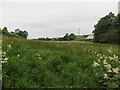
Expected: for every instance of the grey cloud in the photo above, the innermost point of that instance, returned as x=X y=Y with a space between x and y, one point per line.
x=50 y=19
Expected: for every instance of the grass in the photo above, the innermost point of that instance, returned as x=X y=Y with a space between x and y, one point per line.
x=80 y=38
x=53 y=64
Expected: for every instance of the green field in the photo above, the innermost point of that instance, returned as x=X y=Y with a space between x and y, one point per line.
x=59 y=64
x=80 y=38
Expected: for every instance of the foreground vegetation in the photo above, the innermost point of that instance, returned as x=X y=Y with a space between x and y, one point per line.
x=59 y=64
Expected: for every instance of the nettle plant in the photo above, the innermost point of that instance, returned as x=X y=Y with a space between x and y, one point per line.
x=110 y=70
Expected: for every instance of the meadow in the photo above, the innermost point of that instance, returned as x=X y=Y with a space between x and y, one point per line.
x=59 y=64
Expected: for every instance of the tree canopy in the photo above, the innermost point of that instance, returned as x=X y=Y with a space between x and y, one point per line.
x=18 y=33
x=106 y=30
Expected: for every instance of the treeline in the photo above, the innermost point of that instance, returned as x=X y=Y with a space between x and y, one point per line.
x=67 y=37
x=107 y=30
x=17 y=33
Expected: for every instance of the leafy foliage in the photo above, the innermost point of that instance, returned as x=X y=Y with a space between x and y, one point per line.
x=21 y=33
x=107 y=29
x=67 y=37
x=18 y=33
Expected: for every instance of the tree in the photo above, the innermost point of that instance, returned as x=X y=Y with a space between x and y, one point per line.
x=104 y=24
x=106 y=28
x=66 y=37
x=17 y=31
x=4 y=31
x=72 y=36
x=25 y=34
x=21 y=33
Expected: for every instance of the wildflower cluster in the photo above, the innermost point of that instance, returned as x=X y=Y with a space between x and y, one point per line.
x=9 y=46
x=4 y=59
x=109 y=65
x=90 y=50
x=38 y=55
x=110 y=50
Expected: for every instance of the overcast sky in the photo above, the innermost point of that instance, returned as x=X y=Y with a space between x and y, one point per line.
x=54 y=19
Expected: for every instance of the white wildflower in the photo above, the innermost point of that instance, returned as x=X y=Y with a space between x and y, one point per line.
x=98 y=60
x=101 y=57
x=18 y=55
x=40 y=58
x=108 y=66
x=9 y=46
x=36 y=54
x=105 y=62
x=105 y=76
x=111 y=58
x=115 y=57
x=109 y=70
x=109 y=50
x=6 y=59
x=4 y=52
x=115 y=70
x=98 y=54
x=3 y=61
x=95 y=64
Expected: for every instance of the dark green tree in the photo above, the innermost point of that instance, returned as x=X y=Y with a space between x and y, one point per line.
x=106 y=30
x=104 y=24
x=66 y=37
x=72 y=36
x=4 y=31
x=21 y=33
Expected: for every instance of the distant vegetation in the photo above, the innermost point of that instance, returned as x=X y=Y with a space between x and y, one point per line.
x=81 y=37
x=66 y=37
x=18 y=33
x=107 y=30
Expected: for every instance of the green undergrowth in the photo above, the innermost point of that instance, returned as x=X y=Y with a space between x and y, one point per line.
x=39 y=64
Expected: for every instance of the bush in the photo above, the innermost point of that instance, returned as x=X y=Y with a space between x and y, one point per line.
x=107 y=29
x=110 y=36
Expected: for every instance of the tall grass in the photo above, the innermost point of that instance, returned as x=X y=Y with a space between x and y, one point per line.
x=49 y=64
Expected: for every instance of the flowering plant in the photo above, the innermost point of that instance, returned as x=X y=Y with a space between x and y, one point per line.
x=109 y=65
